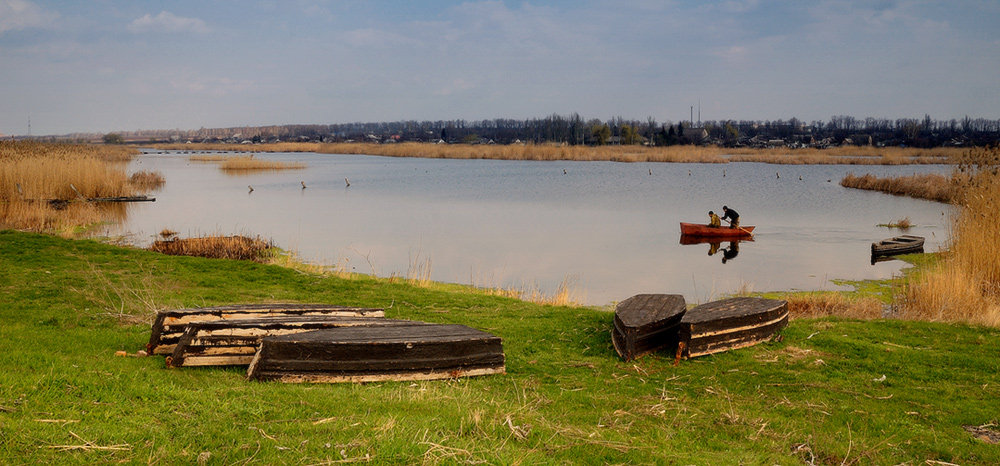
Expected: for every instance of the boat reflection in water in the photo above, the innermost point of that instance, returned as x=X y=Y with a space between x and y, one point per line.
x=715 y=245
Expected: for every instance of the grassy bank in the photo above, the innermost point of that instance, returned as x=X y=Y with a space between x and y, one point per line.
x=833 y=391
x=688 y=154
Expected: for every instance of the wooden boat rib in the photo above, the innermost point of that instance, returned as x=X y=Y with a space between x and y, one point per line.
x=235 y=341
x=699 y=229
x=904 y=244
x=646 y=323
x=372 y=354
x=169 y=325
x=730 y=324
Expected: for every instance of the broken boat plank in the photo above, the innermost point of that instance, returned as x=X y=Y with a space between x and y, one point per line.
x=171 y=324
x=369 y=354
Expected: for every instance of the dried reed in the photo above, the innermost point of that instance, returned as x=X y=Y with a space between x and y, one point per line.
x=216 y=247
x=931 y=186
x=39 y=180
x=965 y=286
x=238 y=163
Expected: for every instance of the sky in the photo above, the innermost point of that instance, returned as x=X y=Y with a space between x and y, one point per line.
x=120 y=65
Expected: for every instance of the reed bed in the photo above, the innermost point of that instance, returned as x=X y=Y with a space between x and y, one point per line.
x=235 y=247
x=965 y=286
x=239 y=163
x=931 y=186
x=40 y=184
x=245 y=164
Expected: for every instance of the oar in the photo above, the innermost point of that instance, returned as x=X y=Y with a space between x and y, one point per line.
x=744 y=229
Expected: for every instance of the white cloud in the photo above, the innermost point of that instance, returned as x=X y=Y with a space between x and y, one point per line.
x=167 y=22
x=21 y=14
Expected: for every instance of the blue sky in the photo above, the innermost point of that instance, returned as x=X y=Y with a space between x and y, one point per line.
x=110 y=65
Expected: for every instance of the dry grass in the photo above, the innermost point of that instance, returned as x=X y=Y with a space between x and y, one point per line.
x=965 y=286
x=216 y=247
x=818 y=305
x=567 y=293
x=687 y=154
x=931 y=186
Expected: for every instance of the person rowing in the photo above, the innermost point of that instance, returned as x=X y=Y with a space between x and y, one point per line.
x=731 y=216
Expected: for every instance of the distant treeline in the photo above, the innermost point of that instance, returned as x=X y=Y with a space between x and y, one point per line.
x=575 y=130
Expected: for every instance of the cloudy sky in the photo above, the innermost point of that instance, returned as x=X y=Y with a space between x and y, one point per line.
x=113 y=65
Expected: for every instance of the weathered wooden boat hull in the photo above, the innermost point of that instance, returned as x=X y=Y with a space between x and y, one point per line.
x=730 y=324
x=905 y=244
x=170 y=325
x=698 y=229
x=373 y=354
x=234 y=342
x=646 y=323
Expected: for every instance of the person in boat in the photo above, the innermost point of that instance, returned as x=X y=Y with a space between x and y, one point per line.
x=713 y=220
x=731 y=216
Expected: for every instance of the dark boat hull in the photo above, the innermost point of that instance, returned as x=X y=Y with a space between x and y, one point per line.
x=646 y=323
x=234 y=342
x=170 y=325
x=905 y=244
x=730 y=324
x=697 y=229
x=373 y=354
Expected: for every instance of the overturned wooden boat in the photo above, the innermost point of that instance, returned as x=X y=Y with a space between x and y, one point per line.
x=646 y=323
x=234 y=342
x=375 y=354
x=729 y=324
x=904 y=244
x=170 y=324
x=700 y=229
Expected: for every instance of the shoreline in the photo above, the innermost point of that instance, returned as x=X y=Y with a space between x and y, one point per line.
x=844 y=155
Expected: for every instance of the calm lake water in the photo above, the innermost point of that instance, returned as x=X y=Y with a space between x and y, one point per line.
x=610 y=229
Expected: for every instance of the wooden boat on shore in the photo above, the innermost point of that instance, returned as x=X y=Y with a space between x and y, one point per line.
x=171 y=324
x=234 y=342
x=646 y=323
x=904 y=244
x=729 y=324
x=700 y=229
x=374 y=354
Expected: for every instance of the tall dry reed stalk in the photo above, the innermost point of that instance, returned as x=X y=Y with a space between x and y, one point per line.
x=965 y=286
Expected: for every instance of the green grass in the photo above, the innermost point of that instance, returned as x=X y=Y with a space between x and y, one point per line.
x=816 y=397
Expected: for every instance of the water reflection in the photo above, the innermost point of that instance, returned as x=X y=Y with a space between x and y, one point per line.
x=613 y=225
x=715 y=245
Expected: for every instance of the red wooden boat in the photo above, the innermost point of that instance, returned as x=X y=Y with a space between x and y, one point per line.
x=700 y=229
